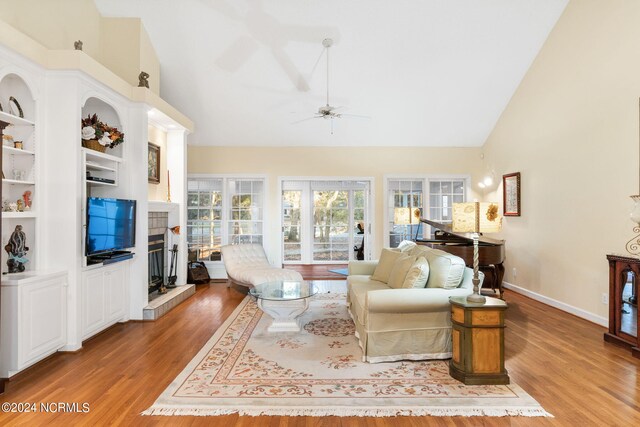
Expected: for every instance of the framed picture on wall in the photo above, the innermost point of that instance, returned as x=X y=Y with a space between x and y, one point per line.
x=511 y=194
x=154 y=164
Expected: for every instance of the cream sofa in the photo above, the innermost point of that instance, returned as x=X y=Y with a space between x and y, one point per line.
x=405 y=324
x=247 y=265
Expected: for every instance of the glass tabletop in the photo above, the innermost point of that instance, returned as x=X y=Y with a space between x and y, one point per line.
x=284 y=290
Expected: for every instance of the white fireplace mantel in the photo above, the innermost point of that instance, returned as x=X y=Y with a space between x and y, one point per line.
x=157 y=206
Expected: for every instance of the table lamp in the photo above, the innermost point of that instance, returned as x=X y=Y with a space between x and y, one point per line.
x=476 y=218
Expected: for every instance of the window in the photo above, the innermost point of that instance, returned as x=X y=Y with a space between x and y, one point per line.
x=410 y=193
x=442 y=194
x=223 y=211
x=324 y=221
x=291 y=215
x=246 y=208
x=403 y=194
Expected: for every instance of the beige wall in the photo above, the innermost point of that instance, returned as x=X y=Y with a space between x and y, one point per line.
x=120 y=44
x=121 y=39
x=158 y=192
x=149 y=60
x=373 y=162
x=56 y=23
x=571 y=129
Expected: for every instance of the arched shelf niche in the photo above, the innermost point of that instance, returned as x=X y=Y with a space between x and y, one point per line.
x=18 y=162
x=106 y=114
x=12 y=85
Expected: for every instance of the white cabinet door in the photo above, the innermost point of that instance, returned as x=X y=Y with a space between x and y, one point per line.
x=105 y=298
x=44 y=326
x=94 y=310
x=114 y=279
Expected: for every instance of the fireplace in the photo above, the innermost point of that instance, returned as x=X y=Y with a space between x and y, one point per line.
x=156 y=262
x=157 y=251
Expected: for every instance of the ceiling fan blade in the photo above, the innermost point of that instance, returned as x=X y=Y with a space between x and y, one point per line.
x=290 y=69
x=304 y=120
x=237 y=54
x=355 y=116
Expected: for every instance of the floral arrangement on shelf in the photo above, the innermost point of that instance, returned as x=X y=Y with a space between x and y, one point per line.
x=94 y=129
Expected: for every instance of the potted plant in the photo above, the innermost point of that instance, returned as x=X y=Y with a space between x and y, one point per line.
x=97 y=135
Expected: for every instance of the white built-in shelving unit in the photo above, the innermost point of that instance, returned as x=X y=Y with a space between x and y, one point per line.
x=26 y=335
x=60 y=301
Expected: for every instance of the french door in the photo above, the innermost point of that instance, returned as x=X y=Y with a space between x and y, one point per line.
x=324 y=221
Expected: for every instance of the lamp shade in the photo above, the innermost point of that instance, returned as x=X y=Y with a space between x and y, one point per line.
x=406 y=216
x=476 y=217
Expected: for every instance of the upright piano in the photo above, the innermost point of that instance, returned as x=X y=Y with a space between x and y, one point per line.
x=490 y=251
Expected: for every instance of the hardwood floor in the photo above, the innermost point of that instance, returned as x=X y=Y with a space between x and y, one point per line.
x=561 y=360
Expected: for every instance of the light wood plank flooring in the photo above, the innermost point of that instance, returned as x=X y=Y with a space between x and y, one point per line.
x=561 y=360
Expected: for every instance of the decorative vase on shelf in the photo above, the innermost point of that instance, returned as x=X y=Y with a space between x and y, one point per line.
x=93 y=144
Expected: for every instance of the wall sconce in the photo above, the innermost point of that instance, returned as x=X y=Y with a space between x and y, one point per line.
x=487 y=181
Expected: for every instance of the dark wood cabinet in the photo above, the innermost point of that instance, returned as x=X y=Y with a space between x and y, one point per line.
x=624 y=272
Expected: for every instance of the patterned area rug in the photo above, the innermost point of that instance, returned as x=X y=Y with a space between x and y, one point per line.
x=319 y=372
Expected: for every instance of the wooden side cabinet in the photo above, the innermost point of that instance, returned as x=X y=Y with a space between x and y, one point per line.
x=624 y=317
x=478 y=341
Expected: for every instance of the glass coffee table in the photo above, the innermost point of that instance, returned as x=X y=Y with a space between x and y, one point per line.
x=284 y=301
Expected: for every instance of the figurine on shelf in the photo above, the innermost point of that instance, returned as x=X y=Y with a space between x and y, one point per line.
x=20 y=205
x=13 y=207
x=17 y=250
x=5 y=205
x=77 y=45
x=26 y=196
x=143 y=79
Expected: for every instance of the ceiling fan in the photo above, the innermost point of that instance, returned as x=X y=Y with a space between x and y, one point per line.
x=328 y=111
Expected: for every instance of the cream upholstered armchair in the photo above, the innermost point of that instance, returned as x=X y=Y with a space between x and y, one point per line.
x=399 y=313
x=247 y=265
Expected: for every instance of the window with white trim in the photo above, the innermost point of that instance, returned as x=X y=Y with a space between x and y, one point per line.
x=403 y=193
x=433 y=197
x=221 y=211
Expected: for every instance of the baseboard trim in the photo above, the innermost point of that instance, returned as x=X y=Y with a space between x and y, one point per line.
x=583 y=314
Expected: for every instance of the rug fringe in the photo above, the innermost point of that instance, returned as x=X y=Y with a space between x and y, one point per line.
x=354 y=412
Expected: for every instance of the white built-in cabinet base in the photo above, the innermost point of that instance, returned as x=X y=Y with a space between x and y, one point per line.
x=34 y=318
x=105 y=297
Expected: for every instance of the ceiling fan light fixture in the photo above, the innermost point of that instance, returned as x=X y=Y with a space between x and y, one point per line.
x=328 y=111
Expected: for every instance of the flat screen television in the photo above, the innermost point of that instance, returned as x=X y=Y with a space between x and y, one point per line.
x=111 y=225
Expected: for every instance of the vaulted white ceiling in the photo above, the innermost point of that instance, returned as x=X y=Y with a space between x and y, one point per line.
x=428 y=73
